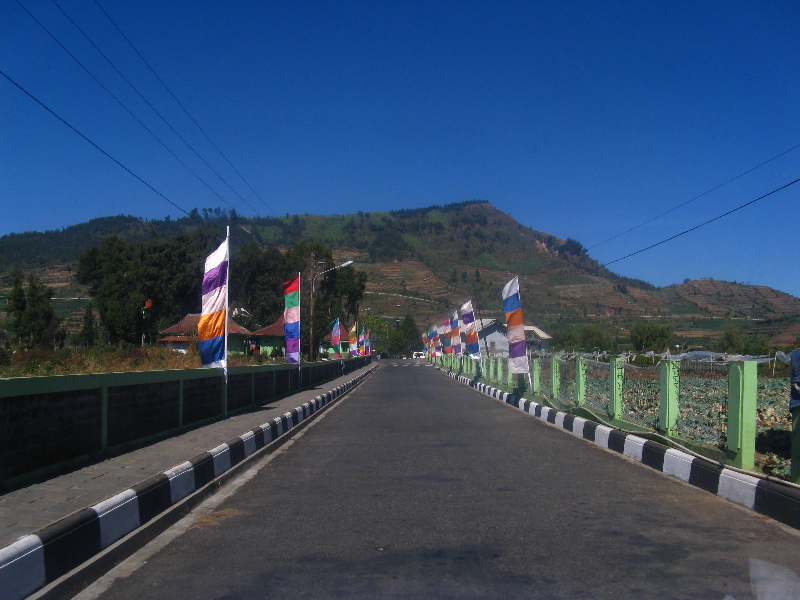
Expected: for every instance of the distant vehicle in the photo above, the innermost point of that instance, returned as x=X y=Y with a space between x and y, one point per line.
x=419 y=355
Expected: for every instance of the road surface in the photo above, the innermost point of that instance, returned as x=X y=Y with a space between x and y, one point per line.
x=416 y=486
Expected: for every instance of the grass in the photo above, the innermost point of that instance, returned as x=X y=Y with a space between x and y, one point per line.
x=108 y=359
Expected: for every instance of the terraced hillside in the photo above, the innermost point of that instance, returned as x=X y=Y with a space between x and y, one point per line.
x=429 y=260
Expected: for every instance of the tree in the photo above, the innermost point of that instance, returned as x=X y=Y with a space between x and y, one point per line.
x=87 y=336
x=594 y=337
x=731 y=341
x=122 y=276
x=378 y=329
x=31 y=321
x=405 y=336
x=257 y=279
x=650 y=336
x=16 y=307
x=565 y=339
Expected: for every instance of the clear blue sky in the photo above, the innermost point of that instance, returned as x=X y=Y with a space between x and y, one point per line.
x=580 y=119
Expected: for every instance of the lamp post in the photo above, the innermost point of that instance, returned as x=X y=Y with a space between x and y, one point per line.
x=311 y=310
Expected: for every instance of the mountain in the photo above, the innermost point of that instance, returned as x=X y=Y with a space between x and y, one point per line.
x=428 y=261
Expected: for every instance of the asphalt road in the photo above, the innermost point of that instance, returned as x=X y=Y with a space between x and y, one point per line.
x=416 y=486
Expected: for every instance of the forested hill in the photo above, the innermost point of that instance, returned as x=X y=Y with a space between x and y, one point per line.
x=64 y=246
x=428 y=260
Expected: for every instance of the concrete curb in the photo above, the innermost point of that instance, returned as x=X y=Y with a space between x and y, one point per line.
x=36 y=560
x=769 y=498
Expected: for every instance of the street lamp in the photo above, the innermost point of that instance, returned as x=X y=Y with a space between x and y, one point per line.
x=311 y=311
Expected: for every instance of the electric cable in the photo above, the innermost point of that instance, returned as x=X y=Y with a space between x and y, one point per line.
x=48 y=109
x=188 y=145
x=783 y=187
x=110 y=93
x=695 y=198
x=247 y=183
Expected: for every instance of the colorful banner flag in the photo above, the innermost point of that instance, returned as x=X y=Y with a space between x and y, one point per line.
x=361 y=342
x=445 y=337
x=471 y=334
x=517 y=354
x=291 y=319
x=437 y=342
x=336 y=338
x=353 y=342
x=455 y=334
x=211 y=328
x=367 y=346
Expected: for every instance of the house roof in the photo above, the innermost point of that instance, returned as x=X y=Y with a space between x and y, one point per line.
x=188 y=327
x=174 y=338
x=481 y=324
x=532 y=331
x=276 y=329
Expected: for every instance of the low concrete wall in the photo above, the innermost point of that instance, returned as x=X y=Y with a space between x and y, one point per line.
x=49 y=423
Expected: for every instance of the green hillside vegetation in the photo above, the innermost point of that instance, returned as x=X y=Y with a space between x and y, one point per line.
x=427 y=261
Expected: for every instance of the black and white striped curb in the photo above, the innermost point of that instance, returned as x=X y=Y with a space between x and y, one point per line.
x=780 y=502
x=36 y=560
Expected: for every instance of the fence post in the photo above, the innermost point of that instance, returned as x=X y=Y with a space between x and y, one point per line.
x=536 y=371
x=580 y=381
x=103 y=414
x=668 y=396
x=616 y=378
x=742 y=414
x=555 y=377
x=180 y=402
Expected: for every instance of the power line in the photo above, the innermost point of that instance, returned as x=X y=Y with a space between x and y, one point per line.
x=48 y=109
x=188 y=145
x=696 y=197
x=783 y=187
x=183 y=107
x=110 y=93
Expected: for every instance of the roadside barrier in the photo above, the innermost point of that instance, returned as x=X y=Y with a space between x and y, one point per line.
x=777 y=500
x=36 y=560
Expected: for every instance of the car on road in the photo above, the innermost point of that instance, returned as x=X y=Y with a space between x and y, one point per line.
x=418 y=355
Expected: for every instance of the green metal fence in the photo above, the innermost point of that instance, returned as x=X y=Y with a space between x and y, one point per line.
x=716 y=407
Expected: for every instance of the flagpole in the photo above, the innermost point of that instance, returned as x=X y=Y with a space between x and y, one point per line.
x=227 y=308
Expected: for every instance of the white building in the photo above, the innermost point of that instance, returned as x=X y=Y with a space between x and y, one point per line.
x=495 y=335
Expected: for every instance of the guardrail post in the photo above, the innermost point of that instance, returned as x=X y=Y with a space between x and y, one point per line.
x=180 y=402
x=580 y=381
x=742 y=413
x=555 y=378
x=103 y=414
x=536 y=372
x=668 y=396
x=616 y=377
x=223 y=400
